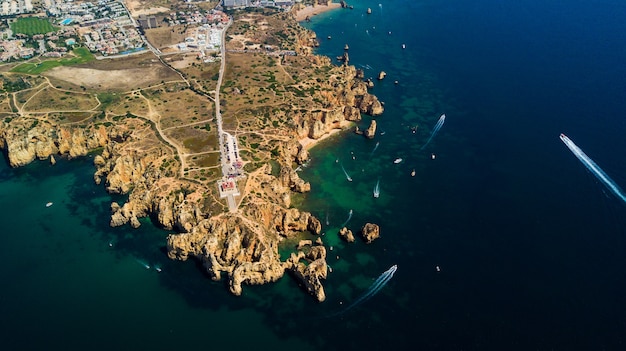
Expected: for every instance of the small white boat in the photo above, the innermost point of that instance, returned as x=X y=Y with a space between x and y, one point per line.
x=432 y=156
x=377 y=189
x=346 y=173
x=403 y=46
x=397 y=160
x=437 y=268
x=49 y=204
x=413 y=173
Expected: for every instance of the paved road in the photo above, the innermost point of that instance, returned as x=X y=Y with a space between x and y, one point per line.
x=232 y=188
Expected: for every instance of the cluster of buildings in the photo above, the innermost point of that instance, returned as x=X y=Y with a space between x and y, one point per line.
x=196 y=17
x=203 y=38
x=53 y=44
x=14 y=49
x=85 y=12
x=105 y=25
x=15 y=7
x=236 y=4
x=109 y=38
x=204 y=30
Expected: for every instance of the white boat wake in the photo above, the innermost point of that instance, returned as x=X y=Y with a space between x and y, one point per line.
x=593 y=167
x=438 y=126
x=143 y=263
x=375 y=148
x=380 y=283
x=377 y=189
x=346 y=173
x=347 y=220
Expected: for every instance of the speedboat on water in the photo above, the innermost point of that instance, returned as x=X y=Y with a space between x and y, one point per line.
x=413 y=173
x=377 y=189
x=397 y=160
x=432 y=156
x=49 y=204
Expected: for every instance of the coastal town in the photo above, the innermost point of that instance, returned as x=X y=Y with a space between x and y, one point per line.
x=106 y=27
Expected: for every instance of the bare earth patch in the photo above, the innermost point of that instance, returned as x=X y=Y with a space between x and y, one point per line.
x=137 y=7
x=121 y=80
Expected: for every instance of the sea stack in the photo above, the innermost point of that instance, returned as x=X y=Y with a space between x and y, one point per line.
x=369 y=10
x=346 y=234
x=371 y=131
x=370 y=232
x=381 y=75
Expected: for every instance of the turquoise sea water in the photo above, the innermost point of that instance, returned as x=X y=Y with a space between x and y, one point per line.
x=531 y=247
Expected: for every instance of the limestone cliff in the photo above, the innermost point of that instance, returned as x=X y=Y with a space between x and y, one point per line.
x=26 y=140
x=246 y=250
x=311 y=273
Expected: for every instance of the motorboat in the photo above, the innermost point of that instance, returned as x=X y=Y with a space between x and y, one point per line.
x=377 y=189
x=397 y=160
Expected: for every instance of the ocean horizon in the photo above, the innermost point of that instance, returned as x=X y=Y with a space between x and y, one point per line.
x=502 y=240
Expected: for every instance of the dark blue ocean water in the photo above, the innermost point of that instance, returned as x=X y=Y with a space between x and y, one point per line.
x=532 y=248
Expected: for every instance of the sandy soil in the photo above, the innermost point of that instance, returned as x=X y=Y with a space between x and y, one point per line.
x=125 y=79
x=312 y=11
x=134 y=6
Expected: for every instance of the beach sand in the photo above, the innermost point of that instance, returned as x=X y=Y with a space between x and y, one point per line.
x=312 y=11
x=309 y=143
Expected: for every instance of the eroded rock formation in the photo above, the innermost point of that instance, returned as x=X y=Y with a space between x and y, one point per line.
x=346 y=234
x=370 y=232
x=371 y=131
x=26 y=141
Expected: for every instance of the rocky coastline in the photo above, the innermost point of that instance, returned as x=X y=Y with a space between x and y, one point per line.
x=243 y=245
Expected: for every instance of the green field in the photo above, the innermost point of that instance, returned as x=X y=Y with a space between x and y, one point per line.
x=82 y=56
x=32 y=25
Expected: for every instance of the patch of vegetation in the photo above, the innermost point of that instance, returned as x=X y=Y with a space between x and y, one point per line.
x=82 y=56
x=32 y=25
x=12 y=86
x=107 y=99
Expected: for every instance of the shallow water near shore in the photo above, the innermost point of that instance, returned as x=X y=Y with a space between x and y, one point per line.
x=72 y=282
x=531 y=248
